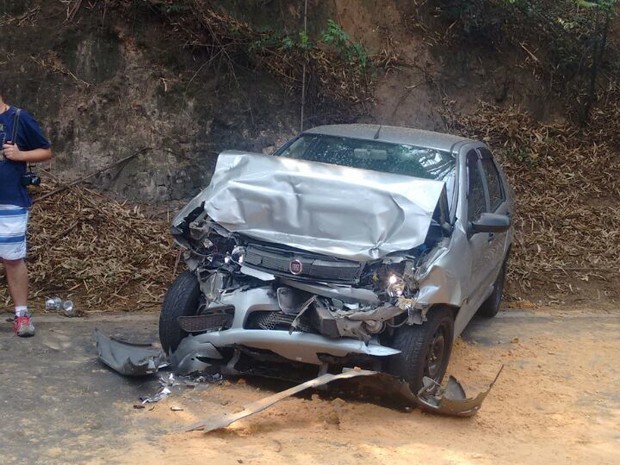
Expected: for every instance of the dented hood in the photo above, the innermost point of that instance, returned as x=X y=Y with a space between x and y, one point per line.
x=339 y=211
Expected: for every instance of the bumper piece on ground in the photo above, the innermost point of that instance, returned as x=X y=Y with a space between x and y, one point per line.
x=127 y=358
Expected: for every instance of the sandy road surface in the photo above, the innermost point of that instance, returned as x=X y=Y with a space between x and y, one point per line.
x=557 y=401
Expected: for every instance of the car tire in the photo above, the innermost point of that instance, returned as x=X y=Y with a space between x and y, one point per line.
x=182 y=299
x=490 y=307
x=425 y=349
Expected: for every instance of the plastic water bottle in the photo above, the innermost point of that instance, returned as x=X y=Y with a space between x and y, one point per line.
x=68 y=309
x=53 y=304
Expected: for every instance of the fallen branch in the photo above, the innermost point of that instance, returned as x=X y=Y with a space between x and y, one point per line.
x=88 y=176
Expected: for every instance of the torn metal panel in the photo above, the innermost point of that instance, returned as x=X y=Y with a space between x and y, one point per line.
x=441 y=275
x=188 y=357
x=127 y=358
x=311 y=206
x=451 y=400
x=219 y=422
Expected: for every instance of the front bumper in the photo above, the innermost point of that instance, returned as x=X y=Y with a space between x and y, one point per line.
x=297 y=346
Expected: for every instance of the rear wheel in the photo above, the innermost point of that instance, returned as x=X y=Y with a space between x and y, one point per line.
x=490 y=307
x=425 y=349
x=182 y=299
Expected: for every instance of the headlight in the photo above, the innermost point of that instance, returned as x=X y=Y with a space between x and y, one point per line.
x=395 y=286
x=236 y=256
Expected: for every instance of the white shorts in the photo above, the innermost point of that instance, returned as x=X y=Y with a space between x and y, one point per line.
x=13 y=223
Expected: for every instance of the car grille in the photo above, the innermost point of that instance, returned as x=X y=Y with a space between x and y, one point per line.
x=217 y=319
x=313 y=267
x=277 y=321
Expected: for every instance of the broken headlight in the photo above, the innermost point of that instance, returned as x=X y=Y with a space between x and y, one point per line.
x=236 y=256
x=395 y=286
x=399 y=281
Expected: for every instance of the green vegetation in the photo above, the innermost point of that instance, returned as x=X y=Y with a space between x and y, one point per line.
x=333 y=36
x=337 y=68
x=352 y=52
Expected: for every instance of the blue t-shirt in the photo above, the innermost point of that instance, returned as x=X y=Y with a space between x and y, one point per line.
x=29 y=137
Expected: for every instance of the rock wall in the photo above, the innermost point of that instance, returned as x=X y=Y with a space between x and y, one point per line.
x=105 y=86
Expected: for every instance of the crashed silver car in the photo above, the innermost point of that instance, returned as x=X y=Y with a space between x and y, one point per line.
x=352 y=246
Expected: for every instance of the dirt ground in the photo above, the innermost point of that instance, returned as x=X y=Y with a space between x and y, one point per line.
x=557 y=401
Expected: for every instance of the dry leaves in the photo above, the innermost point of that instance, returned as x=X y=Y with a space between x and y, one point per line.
x=103 y=254
x=566 y=181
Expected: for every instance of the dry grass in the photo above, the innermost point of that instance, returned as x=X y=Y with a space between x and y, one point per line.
x=103 y=254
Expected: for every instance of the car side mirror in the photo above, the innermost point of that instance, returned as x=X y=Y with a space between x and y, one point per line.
x=490 y=223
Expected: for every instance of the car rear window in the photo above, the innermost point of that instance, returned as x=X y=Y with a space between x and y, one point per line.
x=409 y=160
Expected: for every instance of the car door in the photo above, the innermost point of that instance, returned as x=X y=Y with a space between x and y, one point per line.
x=477 y=204
x=497 y=242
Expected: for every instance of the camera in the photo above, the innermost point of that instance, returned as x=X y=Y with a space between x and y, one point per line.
x=31 y=179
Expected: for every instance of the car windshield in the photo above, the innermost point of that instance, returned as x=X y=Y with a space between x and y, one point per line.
x=373 y=155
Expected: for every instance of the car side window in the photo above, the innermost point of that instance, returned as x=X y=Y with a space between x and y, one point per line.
x=476 y=200
x=494 y=181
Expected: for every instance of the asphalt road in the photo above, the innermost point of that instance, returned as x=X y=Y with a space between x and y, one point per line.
x=60 y=405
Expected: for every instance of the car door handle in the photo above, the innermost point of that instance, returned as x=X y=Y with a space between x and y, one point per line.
x=491 y=237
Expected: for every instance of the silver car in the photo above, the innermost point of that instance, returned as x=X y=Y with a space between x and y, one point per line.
x=354 y=245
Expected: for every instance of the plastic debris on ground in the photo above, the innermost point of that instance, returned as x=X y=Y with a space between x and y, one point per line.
x=168 y=383
x=451 y=400
x=129 y=359
x=160 y=395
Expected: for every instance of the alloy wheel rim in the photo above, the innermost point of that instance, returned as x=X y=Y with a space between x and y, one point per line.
x=436 y=354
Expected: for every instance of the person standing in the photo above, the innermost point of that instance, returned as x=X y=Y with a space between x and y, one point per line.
x=22 y=142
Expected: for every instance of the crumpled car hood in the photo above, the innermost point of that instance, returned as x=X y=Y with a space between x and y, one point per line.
x=344 y=212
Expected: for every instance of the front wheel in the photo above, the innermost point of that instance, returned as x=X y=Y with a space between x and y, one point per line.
x=425 y=349
x=182 y=299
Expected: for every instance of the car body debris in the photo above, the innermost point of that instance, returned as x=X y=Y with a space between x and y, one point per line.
x=128 y=358
x=222 y=421
x=168 y=383
x=159 y=395
x=450 y=401
x=131 y=359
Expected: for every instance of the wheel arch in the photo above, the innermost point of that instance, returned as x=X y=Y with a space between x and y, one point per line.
x=454 y=309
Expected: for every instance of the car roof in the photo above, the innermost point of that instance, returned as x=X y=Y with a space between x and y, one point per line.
x=393 y=134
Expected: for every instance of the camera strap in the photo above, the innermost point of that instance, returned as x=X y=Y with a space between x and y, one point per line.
x=15 y=128
x=16 y=124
